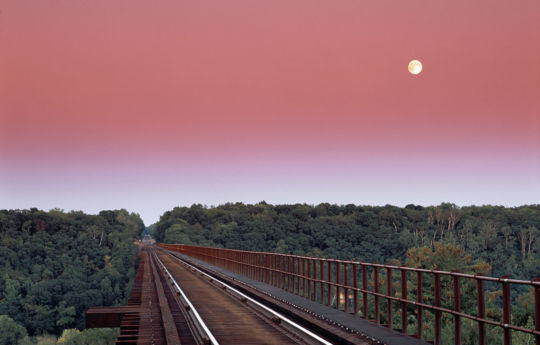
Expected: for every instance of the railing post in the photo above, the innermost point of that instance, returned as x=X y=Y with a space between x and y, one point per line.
x=346 y=283
x=289 y=281
x=263 y=267
x=309 y=278
x=267 y=268
x=314 y=279
x=321 y=275
x=328 y=284
x=355 y=298
x=481 y=310
x=270 y=269
x=222 y=258
x=537 y=309
x=403 y=304
x=242 y=262
x=304 y=277
x=252 y=265
x=437 y=284
x=298 y=274
x=291 y=274
x=457 y=307
x=338 y=297
x=277 y=270
x=365 y=295
x=376 y=289
x=292 y=278
x=506 y=311
x=259 y=266
x=251 y=271
x=389 y=294
x=282 y=269
x=274 y=266
x=419 y=300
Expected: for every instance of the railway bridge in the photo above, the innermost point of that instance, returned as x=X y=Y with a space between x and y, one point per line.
x=201 y=295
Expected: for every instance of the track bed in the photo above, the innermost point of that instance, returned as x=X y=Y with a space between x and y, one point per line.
x=229 y=320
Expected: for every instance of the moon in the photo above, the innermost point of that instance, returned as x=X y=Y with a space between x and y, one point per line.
x=415 y=67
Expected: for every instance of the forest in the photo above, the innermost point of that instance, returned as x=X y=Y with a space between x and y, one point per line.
x=508 y=239
x=488 y=240
x=55 y=265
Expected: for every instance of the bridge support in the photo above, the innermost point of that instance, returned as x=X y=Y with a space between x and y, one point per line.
x=139 y=321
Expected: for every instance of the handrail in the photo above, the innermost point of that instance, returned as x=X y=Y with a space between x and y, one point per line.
x=340 y=283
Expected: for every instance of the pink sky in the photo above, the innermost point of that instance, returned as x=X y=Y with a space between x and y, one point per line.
x=143 y=105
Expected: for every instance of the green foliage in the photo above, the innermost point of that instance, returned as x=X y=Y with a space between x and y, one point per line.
x=178 y=233
x=505 y=238
x=445 y=257
x=72 y=336
x=11 y=333
x=97 y=336
x=55 y=265
x=46 y=340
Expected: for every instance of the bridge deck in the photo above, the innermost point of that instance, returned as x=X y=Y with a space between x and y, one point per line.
x=377 y=332
x=231 y=322
x=169 y=295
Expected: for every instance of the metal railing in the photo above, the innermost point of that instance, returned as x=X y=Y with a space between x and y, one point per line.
x=350 y=285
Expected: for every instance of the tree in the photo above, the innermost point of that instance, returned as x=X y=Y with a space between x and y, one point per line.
x=95 y=336
x=533 y=233
x=66 y=315
x=11 y=303
x=445 y=257
x=178 y=233
x=52 y=266
x=282 y=247
x=507 y=231
x=11 y=333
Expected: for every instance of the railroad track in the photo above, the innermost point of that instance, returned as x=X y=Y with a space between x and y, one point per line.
x=207 y=310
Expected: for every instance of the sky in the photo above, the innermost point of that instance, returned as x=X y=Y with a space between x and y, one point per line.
x=145 y=105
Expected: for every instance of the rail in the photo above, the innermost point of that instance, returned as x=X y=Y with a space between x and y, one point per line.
x=350 y=285
x=200 y=327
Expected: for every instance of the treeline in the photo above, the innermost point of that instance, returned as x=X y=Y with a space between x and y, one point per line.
x=55 y=265
x=508 y=239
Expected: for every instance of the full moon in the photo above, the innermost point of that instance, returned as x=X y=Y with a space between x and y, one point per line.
x=415 y=67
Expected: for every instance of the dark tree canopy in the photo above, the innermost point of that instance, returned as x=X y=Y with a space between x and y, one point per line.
x=54 y=265
x=508 y=239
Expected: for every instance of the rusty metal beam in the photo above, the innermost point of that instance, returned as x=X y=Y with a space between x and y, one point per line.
x=108 y=317
x=169 y=326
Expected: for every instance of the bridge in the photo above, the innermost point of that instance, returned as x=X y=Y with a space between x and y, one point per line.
x=200 y=295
